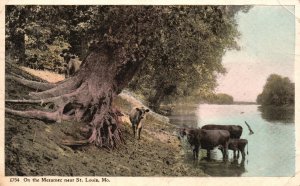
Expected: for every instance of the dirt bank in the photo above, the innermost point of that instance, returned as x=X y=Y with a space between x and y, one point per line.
x=33 y=148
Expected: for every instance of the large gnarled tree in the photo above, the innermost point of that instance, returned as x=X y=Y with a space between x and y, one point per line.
x=121 y=38
x=105 y=71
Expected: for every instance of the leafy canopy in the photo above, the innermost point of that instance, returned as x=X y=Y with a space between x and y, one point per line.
x=181 y=47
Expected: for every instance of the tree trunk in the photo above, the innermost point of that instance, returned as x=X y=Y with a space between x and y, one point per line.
x=155 y=101
x=19 y=47
x=88 y=96
x=84 y=47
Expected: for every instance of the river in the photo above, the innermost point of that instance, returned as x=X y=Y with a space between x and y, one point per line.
x=271 y=148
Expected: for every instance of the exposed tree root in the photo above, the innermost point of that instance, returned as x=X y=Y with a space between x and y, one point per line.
x=41 y=115
x=81 y=106
x=59 y=100
x=32 y=84
x=23 y=101
x=86 y=97
x=63 y=88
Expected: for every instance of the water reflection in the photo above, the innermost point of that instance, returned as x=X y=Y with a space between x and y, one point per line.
x=213 y=166
x=230 y=168
x=271 y=147
x=184 y=116
x=273 y=114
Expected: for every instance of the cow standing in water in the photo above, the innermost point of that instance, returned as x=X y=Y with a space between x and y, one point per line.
x=237 y=145
x=136 y=115
x=206 y=139
x=234 y=130
x=71 y=64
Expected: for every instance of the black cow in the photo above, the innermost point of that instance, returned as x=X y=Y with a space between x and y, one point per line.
x=207 y=139
x=234 y=130
x=135 y=116
x=71 y=64
x=237 y=145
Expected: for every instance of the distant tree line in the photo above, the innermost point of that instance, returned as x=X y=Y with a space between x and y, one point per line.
x=278 y=91
x=219 y=98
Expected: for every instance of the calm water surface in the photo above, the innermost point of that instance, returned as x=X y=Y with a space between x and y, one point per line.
x=271 y=147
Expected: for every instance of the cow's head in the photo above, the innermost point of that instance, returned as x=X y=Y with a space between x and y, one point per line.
x=192 y=134
x=142 y=111
x=67 y=56
x=187 y=135
x=185 y=132
x=182 y=133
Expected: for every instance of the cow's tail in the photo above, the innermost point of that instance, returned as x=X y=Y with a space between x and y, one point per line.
x=247 y=148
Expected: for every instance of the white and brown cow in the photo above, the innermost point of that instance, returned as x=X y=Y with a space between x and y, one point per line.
x=135 y=116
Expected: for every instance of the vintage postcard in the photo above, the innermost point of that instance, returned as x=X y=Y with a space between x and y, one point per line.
x=142 y=93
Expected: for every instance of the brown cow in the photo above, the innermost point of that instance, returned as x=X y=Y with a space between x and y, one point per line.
x=234 y=130
x=237 y=145
x=71 y=65
x=206 y=139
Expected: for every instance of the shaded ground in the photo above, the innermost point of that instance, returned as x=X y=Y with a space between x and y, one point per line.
x=33 y=148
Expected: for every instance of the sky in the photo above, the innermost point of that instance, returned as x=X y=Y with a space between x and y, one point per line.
x=267 y=46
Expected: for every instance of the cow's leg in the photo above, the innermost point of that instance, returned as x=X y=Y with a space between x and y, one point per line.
x=208 y=154
x=139 y=132
x=226 y=153
x=72 y=70
x=133 y=130
x=225 y=156
x=66 y=71
x=234 y=153
x=223 y=152
x=69 y=69
x=243 y=153
x=196 y=152
x=221 y=149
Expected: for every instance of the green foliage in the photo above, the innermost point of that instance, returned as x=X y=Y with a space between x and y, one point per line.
x=189 y=56
x=180 y=47
x=41 y=35
x=278 y=91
